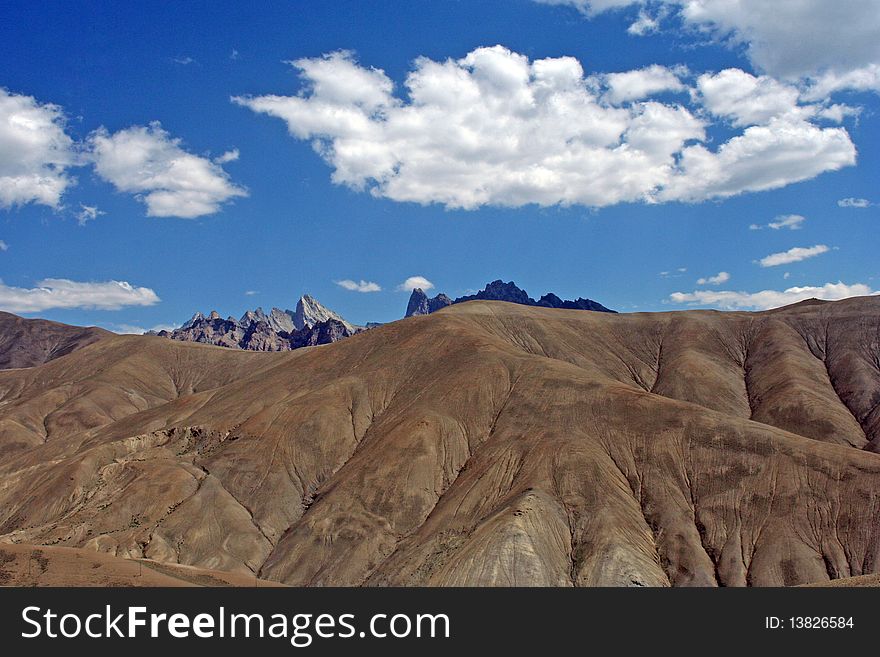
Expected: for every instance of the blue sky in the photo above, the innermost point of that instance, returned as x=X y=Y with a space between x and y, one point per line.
x=199 y=201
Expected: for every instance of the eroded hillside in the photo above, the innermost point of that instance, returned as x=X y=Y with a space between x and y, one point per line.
x=486 y=444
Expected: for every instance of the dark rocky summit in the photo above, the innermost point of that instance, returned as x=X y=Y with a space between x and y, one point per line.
x=281 y=330
x=421 y=304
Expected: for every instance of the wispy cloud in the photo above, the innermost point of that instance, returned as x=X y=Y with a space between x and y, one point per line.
x=717 y=279
x=3 y=246
x=854 y=203
x=767 y=299
x=789 y=221
x=359 y=286
x=88 y=213
x=63 y=293
x=184 y=60
x=251 y=293
x=795 y=254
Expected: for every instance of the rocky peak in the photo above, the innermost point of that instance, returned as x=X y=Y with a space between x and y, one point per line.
x=214 y=315
x=309 y=311
x=195 y=319
x=421 y=304
x=500 y=291
x=281 y=320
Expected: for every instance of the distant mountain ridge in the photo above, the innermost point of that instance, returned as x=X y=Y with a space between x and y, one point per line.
x=310 y=324
x=421 y=304
x=30 y=342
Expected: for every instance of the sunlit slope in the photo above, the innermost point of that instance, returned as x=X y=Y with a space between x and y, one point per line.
x=486 y=444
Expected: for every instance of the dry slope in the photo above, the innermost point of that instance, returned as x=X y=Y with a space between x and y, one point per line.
x=486 y=444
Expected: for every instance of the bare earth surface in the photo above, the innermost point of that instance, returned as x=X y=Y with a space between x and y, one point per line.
x=29 y=342
x=37 y=565
x=485 y=444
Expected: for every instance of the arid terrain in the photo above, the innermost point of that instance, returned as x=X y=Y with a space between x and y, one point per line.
x=487 y=444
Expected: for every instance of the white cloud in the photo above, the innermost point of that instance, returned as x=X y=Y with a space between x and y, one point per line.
x=767 y=299
x=854 y=203
x=493 y=128
x=251 y=293
x=35 y=152
x=786 y=275
x=228 y=156
x=88 y=213
x=183 y=61
x=761 y=158
x=3 y=246
x=795 y=254
x=148 y=162
x=63 y=293
x=834 y=42
x=717 y=279
x=644 y=24
x=789 y=221
x=359 y=286
x=641 y=83
x=747 y=100
x=414 y=282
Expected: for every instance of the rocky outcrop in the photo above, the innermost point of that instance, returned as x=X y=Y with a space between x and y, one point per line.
x=281 y=330
x=421 y=304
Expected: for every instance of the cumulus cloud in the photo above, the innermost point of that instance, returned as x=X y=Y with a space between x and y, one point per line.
x=359 y=286
x=148 y=162
x=767 y=299
x=746 y=99
x=795 y=254
x=641 y=83
x=414 y=282
x=836 y=44
x=854 y=203
x=35 y=152
x=494 y=128
x=63 y=293
x=717 y=279
x=788 y=221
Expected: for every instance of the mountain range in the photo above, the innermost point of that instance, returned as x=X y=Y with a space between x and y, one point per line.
x=421 y=304
x=488 y=444
x=313 y=323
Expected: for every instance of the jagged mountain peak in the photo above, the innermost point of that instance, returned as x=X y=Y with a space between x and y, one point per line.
x=309 y=311
x=498 y=290
x=421 y=304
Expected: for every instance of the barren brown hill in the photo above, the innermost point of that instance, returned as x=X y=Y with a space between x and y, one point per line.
x=29 y=342
x=486 y=444
x=39 y=565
